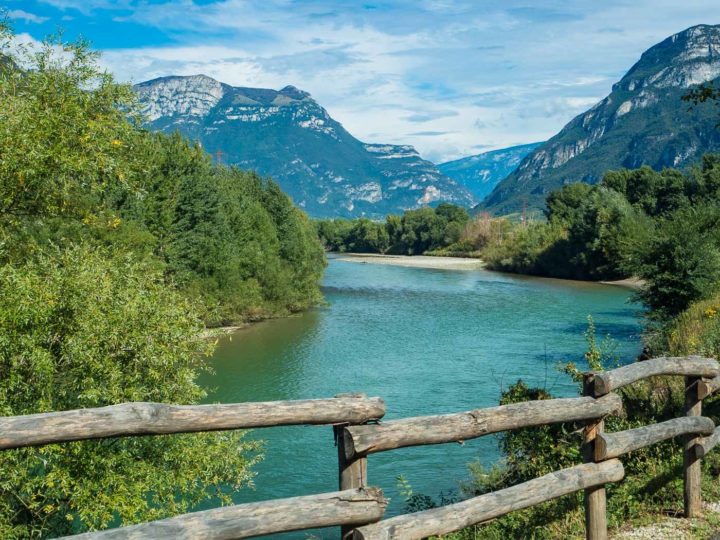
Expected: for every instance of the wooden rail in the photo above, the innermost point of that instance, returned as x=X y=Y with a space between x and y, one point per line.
x=161 y=419
x=696 y=366
x=361 y=440
x=456 y=516
x=350 y=507
x=358 y=508
x=612 y=445
x=706 y=444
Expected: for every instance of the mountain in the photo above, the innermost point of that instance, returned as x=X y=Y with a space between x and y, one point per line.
x=289 y=136
x=642 y=122
x=482 y=172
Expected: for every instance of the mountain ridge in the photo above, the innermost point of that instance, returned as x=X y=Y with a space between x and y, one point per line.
x=287 y=135
x=643 y=121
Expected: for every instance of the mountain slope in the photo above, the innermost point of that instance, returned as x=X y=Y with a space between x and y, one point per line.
x=482 y=172
x=287 y=135
x=642 y=122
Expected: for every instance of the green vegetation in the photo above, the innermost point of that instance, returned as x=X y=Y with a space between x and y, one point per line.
x=659 y=226
x=414 y=233
x=77 y=166
x=117 y=248
x=653 y=476
x=83 y=328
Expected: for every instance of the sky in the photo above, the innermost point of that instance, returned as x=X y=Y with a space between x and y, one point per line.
x=452 y=78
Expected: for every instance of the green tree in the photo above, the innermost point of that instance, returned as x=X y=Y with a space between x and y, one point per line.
x=65 y=138
x=681 y=263
x=84 y=329
x=563 y=205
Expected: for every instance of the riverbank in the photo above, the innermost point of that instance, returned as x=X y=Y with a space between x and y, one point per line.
x=413 y=261
x=629 y=283
x=451 y=263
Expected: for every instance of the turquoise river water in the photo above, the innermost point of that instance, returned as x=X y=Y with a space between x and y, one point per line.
x=427 y=342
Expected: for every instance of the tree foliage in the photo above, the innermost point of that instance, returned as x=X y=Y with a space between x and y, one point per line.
x=413 y=233
x=76 y=165
x=117 y=248
x=83 y=328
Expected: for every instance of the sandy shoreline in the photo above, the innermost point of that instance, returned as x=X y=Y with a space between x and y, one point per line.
x=629 y=283
x=413 y=261
x=451 y=263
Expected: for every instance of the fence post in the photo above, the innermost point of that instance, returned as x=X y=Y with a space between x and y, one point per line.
x=692 y=463
x=352 y=474
x=595 y=497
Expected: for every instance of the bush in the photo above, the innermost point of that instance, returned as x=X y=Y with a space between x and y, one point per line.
x=681 y=262
x=82 y=329
x=696 y=330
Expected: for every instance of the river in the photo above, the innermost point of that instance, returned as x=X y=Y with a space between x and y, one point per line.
x=427 y=342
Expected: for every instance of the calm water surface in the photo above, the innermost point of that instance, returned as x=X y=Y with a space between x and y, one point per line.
x=427 y=342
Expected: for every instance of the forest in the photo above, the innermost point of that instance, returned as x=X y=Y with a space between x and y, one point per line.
x=118 y=248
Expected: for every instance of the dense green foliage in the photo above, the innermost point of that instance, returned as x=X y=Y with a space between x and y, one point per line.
x=413 y=233
x=117 y=248
x=225 y=235
x=75 y=167
x=659 y=226
x=82 y=328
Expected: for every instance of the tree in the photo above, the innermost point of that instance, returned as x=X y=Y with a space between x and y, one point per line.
x=563 y=204
x=65 y=138
x=681 y=263
x=83 y=328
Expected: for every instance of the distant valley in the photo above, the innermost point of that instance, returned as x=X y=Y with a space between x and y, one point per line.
x=482 y=172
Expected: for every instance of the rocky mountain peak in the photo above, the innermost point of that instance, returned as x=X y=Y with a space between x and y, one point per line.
x=294 y=92
x=289 y=136
x=684 y=59
x=193 y=95
x=643 y=121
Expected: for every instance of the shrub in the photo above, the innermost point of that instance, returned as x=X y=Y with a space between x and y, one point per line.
x=81 y=329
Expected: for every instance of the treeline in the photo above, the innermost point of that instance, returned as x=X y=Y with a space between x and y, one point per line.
x=414 y=233
x=117 y=248
x=659 y=226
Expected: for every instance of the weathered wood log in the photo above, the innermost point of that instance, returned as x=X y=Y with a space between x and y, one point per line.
x=456 y=516
x=158 y=418
x=708 y=387
x=705 y=444
x=595 y=497
x=692 y=473
x=362 y=440
x=352 y=473
x=697 y=366
x=611 y=445
x=254 y=519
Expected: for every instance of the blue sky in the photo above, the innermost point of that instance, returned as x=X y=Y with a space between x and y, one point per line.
x=452 y=78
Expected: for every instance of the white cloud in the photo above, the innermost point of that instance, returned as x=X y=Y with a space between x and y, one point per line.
x=474 y=73
x=25 y=16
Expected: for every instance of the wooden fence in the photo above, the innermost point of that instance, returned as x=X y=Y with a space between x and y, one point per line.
x=359 y=508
